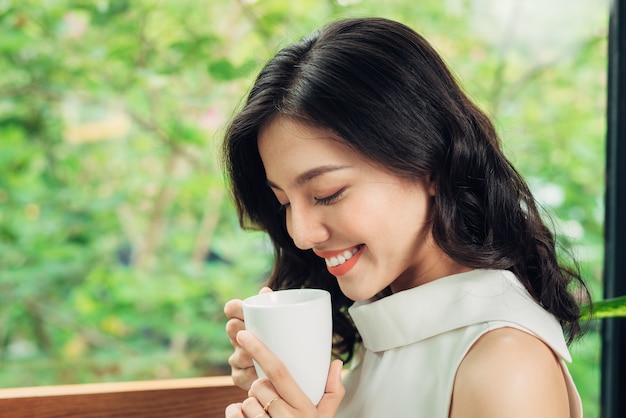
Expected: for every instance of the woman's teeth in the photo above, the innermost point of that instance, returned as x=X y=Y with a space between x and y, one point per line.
x=341 y=258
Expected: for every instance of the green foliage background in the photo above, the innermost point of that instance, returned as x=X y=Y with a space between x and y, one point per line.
x=118 y=242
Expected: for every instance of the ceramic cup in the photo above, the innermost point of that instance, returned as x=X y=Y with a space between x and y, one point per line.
x=295 y=325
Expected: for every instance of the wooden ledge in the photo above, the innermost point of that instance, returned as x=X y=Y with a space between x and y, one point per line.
x=193 y=397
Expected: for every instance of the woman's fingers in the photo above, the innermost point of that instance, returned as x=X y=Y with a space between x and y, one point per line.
x=334 y=392
x=243 y=371
x=274 y=369
x=234 y=411
x=242 y=376
x=234 y=309
x=242 y=366
x=240 y=359
x=233 y=326
x=279 y=394
x=263 y=390
x=253 y=408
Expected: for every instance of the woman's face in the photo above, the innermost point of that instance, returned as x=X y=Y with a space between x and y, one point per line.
x=370 y=225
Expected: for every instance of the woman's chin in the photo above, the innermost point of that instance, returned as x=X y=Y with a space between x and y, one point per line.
x=357 y=292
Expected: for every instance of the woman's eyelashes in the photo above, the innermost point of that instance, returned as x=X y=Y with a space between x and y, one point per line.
x=328 y=200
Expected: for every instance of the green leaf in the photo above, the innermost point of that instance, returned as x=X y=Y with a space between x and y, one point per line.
x=608 y=308
x=223 y=70
x=14 y=40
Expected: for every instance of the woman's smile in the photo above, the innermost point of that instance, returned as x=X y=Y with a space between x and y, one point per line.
x=341 y=262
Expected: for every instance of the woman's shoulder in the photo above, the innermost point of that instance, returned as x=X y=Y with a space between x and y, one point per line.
x=509 y=372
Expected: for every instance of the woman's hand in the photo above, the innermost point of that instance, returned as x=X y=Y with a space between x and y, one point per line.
x=242 y=367
x=278 y=395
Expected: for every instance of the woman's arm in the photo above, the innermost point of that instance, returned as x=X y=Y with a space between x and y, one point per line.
x=510 y=373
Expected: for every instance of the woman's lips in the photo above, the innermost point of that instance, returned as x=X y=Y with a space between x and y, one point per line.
x=341 y=262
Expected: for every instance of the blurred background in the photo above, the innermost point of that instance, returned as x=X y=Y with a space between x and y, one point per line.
x=119 y=244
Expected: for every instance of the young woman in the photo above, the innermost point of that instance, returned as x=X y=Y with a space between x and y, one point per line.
x=377 y=179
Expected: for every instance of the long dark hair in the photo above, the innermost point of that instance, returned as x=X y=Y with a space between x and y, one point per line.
x=385 y=91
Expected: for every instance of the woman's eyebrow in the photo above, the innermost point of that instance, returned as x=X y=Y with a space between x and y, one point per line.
x=310 y=174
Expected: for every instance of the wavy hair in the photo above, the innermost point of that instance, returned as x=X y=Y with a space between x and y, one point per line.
x=385 y=91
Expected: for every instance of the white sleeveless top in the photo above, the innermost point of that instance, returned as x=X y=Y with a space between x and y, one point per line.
x=414 y=341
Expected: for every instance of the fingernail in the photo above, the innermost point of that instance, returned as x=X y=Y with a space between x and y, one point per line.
x=243 y=337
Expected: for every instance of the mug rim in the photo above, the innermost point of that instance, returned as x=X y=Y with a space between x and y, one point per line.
x=314 y=295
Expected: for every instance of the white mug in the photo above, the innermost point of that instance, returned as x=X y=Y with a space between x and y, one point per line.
x=295 y=325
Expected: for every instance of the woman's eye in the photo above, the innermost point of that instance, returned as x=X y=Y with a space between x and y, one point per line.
x=329 y=199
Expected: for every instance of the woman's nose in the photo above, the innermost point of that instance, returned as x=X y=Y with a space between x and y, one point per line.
x=306 y=227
